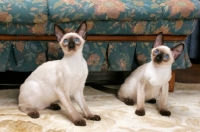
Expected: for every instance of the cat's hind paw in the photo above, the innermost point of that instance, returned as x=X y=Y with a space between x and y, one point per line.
x=94 y=118
x=34 y=114
x=54 y=107
x=165 y=112
x=140 y=112
x=80 y=122
x=128 y=101
x=151 y=101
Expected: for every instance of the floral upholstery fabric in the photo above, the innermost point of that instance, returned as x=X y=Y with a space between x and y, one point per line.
x=37 y=17
x=175 y=27
x=24 y=56
x=23 y=11
x=100 y=56
x=24 y=29
x=121 y=56
x=84 y=10
x=4 y=54
x=39 y=11
x=103 y=17
x=95 y=54
x=179 y=9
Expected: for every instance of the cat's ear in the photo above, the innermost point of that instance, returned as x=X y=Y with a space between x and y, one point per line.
x=82 y=30
x=159 y=40
x=59 y=32
x=176 y=51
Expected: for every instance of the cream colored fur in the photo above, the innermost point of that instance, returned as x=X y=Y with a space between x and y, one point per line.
x=58 y=80
x=150 y=79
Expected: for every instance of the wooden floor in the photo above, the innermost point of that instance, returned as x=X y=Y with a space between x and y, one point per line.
x=189 y=75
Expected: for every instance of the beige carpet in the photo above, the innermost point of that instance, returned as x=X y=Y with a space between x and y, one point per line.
x=184 y=104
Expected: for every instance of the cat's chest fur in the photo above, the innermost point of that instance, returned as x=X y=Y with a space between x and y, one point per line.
x=157 y=75
x=75 y=69
x=72 y=72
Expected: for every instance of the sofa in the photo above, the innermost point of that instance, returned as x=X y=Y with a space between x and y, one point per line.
x=120 y=33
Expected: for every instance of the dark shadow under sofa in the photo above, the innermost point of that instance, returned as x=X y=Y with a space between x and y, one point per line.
x=120 y=33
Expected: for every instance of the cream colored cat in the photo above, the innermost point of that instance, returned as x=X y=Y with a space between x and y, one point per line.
x=58 y=80
x=151 y=79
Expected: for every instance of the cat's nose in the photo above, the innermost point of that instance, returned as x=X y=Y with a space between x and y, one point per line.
x=158 y=58
x=71 y=46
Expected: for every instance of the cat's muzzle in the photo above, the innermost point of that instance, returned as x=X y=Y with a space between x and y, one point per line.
x=158 y=58
x=71 y=46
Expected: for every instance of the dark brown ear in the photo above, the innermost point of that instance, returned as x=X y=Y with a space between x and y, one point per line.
x=159 y=40
x=82 y=30
x=177 y=50
x=59 y=32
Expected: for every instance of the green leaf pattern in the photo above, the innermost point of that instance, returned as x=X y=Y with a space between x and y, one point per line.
x=131 y=17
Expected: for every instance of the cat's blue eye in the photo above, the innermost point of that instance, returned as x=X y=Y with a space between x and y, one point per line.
x=166 y=56
x=76 y=40
x=65 y=42
x=156 y=52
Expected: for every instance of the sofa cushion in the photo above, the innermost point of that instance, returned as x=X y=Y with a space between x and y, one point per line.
x=175 y=27
x=180 y=9
x=26 y=29
x=23 y=11
x=82 y=10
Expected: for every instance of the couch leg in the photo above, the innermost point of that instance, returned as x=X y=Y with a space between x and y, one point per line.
x=171 y=82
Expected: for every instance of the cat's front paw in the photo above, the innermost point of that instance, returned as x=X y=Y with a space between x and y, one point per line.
x=80 y=122
x=34 y=114
x=128 y=101
x=165 y=112
x=94 y=118
x=140 y=112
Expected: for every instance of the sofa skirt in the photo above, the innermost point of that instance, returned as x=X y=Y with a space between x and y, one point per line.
x=26 y=56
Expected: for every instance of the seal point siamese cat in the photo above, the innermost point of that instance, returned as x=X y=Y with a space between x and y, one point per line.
x=151 y=79
x=59 y=79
